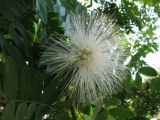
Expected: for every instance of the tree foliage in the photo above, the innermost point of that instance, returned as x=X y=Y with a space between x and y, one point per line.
x=28 y=93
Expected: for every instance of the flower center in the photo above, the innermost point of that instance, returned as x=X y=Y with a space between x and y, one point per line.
x=85 y=54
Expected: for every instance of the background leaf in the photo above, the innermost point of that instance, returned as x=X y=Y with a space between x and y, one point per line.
x=11 y=78
x=102 y=115
x=149 y=71
x=21 y=111
x=42 y=11
x=122 y=113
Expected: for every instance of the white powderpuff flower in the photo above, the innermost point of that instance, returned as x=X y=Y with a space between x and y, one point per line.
x=94 y=55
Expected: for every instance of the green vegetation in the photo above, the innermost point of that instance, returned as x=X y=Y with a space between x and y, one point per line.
x=28 y=93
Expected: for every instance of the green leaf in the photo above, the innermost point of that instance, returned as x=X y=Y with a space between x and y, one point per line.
x=21 y=111
x=114 y=101
x=22 y=31
x=138 y=81
x=51 y=93
x=42 y=11
x=25 y=83
x=62 y=115
x=39 y=112
x=128 y=85
x=11 y=78
x=88 y=110
x=155 y=84
x=31 y=83
x=30 y=111
x=149 y=71
x=3 y=23
x=91 y=110
x=37 y=84
x=17 y=39
x=110 y=117
x=15 y=53
x=8 y=113
x=135 y=59
x=102 y=115
x=2 y=67
x=122 y=112
x=3 y=42
x=5 y=10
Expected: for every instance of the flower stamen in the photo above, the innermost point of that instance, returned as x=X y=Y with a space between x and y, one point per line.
x=85 y=54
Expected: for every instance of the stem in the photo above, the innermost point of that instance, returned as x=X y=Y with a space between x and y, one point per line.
x=74 y=116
